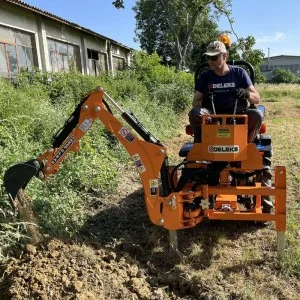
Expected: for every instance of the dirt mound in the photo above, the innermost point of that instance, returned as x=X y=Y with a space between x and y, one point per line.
x=64 y=271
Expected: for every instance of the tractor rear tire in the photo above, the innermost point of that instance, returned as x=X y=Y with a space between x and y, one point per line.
x=265 y=177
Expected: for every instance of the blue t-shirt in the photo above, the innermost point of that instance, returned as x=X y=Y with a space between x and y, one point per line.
x=223 y=88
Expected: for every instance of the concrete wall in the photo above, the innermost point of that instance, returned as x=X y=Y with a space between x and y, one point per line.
x=43 y=28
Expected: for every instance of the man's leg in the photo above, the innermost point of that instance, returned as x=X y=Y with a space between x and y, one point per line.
x=255 y=118
x=195 y=118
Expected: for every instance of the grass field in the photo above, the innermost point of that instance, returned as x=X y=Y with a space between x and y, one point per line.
x=220 y=260
x=284 y=126
x=230 y=260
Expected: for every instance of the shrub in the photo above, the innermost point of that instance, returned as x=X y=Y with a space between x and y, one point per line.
x=283 y=76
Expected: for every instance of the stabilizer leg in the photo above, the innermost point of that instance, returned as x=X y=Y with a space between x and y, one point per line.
x=173 y=240
x=280 y=244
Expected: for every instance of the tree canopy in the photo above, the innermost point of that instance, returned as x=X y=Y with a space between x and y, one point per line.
x=177 y=29
x=243 y=50
x=118 y=3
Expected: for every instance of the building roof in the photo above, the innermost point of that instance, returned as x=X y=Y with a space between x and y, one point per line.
x=283 y=56
x=61 y=20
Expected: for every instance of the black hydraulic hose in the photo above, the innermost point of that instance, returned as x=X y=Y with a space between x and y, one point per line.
x=107 y=106
x=139 y=128
x=134 y=123
x=164 y=173
x=71 y=123
x=246 y=175
x=68 y=127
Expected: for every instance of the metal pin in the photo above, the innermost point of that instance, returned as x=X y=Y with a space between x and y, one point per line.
x=41 y=175
x=161 y=221
x=36 y=163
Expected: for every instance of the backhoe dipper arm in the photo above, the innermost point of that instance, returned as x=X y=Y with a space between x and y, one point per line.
x=148 y=155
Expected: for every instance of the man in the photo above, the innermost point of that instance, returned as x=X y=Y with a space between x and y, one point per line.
x=220 y=87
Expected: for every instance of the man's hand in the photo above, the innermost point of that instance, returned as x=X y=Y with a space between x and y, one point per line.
x=242 y=95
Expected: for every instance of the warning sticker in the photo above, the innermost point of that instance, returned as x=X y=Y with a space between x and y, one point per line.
x=138 y=162
x=86 y=124
x=223 y=133
x=153 y=187
x=67 y=145
x=125 y=133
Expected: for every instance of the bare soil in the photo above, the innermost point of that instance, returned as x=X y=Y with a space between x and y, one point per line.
x=119 y=254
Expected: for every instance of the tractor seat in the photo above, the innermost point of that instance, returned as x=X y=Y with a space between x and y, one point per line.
x=185 y=149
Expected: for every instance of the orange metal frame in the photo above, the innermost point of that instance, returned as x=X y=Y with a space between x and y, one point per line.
x=170 y=211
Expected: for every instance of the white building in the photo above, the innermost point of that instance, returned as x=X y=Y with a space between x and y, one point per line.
x=33 y=37
x=286 y=62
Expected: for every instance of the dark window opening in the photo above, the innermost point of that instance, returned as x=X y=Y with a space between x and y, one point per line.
x=97 y=62
x=63 y=57
x=16 y=52
x=119 y=63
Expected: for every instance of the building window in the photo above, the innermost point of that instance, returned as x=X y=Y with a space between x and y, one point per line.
x=97 y=62
x=63 y=57
x=16 y=52
x=119 y=63
x=115 y=49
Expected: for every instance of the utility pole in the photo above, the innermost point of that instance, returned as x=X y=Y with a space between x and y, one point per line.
x=268 y=59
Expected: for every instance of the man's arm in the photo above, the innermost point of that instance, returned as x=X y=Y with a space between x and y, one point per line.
x=198 y=98
x=254 y=96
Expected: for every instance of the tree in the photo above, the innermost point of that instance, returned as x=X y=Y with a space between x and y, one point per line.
x=243 y=50
x=174 y=28
x=118 y=4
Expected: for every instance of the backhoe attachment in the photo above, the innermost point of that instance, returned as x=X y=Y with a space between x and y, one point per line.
x=18 y=176
x=67 y=139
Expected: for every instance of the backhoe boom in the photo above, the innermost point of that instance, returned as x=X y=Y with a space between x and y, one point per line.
x=67 y=139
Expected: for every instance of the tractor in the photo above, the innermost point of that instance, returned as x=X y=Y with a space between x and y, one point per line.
x=222 y=178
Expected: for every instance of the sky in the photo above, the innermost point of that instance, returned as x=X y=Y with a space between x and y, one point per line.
x=273 y=23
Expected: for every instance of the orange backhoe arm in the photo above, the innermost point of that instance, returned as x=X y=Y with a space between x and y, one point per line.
x=148 y=154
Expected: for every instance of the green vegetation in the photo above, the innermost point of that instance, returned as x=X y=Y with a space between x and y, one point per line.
x=279 y=92
x=36 y=106
x=283 y=123
x=284 y=76
x=180 y=30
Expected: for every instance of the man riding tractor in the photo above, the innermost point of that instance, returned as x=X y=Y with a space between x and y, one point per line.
x=226 y=89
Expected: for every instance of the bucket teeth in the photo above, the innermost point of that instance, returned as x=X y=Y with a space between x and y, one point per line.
x=18 y=176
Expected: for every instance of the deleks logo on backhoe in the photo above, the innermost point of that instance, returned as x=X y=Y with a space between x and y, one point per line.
x=63 y=150
x=223 y=149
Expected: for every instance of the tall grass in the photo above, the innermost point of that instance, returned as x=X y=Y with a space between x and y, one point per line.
x=37 y=104
x=283 y=121
x=276 y=92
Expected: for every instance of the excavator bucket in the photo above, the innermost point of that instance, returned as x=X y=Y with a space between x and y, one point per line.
x=18 y=176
